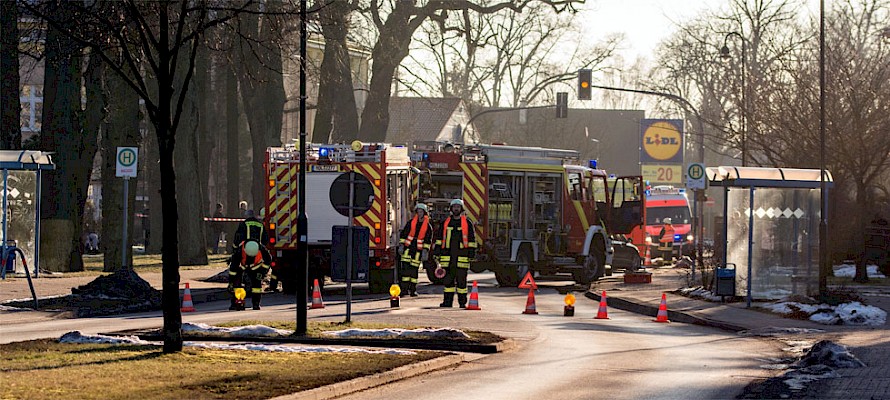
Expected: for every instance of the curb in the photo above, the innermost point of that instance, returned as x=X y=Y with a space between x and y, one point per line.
x=675 y=316
x=383 y=378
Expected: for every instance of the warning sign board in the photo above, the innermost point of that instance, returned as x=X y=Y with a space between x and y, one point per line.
x=528 y=282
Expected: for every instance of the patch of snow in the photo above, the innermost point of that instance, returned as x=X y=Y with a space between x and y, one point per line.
x=298 y=348
x=773 y=331
x=854 y=313
x=77 y=337
x=14 y=309
x=829 y=354
x=701 y=293
x=32 y=299
x=442 y=333
x=849 y=271
x=799 y=378
x=238 y=331
x=797 y=346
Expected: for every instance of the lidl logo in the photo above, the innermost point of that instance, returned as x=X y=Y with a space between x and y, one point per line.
x=662 y=141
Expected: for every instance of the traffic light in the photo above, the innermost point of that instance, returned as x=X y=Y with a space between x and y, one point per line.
x=562 y=105
x=584 y=77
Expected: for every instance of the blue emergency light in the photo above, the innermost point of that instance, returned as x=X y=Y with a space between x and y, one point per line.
x=426 y=156
x=324 y=152
x=677 y=238
x=592 y=164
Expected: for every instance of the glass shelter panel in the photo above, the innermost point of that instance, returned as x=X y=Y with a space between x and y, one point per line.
x=22 y=207
x=785 y=241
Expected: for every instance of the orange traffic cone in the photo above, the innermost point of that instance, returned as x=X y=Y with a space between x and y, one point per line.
x=662 y=310
x=474 y=298
x=530 y=303
x=648 y=261
x=187 y=305
x=603 y=312
x=316 y=297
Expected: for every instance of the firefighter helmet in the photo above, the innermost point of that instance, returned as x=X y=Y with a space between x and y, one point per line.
x=457 y=202
x=421 y=206
x=251 y=248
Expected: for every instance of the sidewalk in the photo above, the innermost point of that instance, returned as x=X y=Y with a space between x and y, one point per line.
x=869 y=344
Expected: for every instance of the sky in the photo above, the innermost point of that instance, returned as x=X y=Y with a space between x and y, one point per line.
x=644 y=22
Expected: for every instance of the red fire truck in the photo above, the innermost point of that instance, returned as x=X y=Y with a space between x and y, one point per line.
x=386 y=167
x=536 y=209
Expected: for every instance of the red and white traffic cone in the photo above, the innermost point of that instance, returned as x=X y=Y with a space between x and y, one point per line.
x=316 y=297
x=187 y=305
x=530 y=303
x=603 y=312
x=662 y=310
x=474 y=298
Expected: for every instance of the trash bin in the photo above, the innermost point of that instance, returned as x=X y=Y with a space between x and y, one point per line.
x=725 y=280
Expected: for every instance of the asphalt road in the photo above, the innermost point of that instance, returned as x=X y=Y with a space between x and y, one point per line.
x=627 y=356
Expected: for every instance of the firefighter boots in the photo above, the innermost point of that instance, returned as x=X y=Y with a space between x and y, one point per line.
x=449 y=300
x=255 y=300
x=462 y=300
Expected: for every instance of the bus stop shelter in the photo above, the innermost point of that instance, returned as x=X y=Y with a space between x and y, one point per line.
x=21 y=174
x=771 y=228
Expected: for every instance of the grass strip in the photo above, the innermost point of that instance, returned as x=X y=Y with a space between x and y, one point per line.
x=316 y=329
x=46 y=369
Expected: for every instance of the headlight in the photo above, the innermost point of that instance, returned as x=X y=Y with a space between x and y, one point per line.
x=648 y=240
x=689 y=238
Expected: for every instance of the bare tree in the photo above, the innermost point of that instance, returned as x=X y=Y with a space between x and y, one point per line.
x=10 y=131
x=336 y=117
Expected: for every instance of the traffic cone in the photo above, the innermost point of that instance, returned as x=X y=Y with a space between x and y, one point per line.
x=474 y=298
x=603 y=312
x=187 y=305
x=662 y=310
x=648 y=261
x=530 y=303
x=316 y=297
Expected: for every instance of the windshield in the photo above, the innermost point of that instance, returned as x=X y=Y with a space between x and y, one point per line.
x=678 y=215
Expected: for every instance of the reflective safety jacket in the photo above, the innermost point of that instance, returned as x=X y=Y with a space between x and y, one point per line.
x=416 y=236
x=667 y=234
x=251 y=229
x=458 y=240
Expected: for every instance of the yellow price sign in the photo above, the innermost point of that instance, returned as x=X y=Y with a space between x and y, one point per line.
x=666 y=174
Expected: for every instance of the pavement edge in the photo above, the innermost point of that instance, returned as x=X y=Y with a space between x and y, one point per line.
x=675 y=316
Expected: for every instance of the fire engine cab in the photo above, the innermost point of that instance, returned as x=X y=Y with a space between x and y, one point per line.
x=669 y=202
x=536 y=209
x=387 y=167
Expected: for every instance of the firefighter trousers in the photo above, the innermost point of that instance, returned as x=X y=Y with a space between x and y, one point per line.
x=408 y=272
x=455 y=282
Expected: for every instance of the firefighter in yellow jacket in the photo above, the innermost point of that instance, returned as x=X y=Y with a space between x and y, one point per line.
x=415 y=242
x=456 y=248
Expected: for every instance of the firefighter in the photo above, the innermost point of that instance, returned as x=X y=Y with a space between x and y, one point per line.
x=249 y=257
x=455 y=248
x=414 y=246
x=666 y=238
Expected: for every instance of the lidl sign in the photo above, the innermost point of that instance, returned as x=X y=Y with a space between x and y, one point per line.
x=662 y=141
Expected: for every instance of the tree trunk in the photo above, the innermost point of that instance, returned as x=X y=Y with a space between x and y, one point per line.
x=389 y=51
x=10 y=131
x=337 y=117
x=121 y=130
x=188 y=194
x=233 y=168
x=62 y=134
x=154 y=222
x=203 y=77
x=262 y=91
x=859 y=236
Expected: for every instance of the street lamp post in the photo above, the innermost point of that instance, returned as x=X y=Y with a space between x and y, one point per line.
x=724 y=53
x=824 y=267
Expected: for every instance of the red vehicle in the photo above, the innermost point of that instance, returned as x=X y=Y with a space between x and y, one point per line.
x=387 y=167
x=669 y=202
x=536 y=209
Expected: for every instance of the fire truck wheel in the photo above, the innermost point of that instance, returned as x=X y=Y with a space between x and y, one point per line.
x=508 y=275
x=594 y=265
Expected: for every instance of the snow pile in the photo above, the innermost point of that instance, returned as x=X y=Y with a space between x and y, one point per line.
x=849 y=271
x=298 y=348
x=238 y=331
x=854 y=313
x=77 y=337
x=820 y=362
x=700 y=293
x=395 y=333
